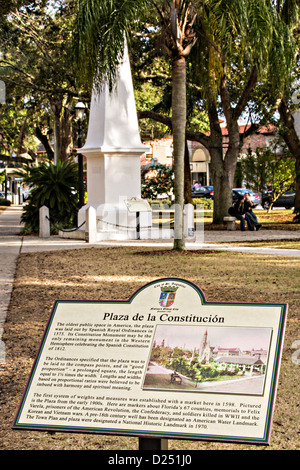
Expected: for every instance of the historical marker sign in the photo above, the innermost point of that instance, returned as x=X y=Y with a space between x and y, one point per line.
x=136 y=204
x=165 y=363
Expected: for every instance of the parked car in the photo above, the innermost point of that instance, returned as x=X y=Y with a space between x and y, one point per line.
x=211 y=191
x=203 y=191
x=286 y=200
x=254 y=197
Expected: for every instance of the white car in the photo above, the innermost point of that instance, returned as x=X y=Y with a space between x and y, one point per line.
x=254 y=197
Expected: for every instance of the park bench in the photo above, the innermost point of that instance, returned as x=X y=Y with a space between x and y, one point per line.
x=230 y=222
x=175 y=378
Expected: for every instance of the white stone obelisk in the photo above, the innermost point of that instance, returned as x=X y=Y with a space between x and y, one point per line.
x=113 y=148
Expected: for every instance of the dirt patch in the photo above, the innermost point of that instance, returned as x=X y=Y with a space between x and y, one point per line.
x=116 y=273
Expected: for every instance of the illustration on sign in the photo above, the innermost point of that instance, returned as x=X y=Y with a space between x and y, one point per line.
x=209 y=359
x=165 y=363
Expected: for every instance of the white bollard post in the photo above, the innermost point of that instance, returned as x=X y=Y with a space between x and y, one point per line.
x=44 y=222
x=189 y=230
x=91 y=225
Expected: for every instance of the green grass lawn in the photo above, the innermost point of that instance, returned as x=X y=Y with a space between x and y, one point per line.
x=275 y=220
x=116 y=273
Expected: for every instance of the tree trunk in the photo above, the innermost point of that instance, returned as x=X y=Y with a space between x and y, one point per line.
x=215 y=149
x=222 y=186
x=44 y=139
x=179 y=127
x=66 y=134
x=62 y=131
x=187 y=177
x=223 y=155
x=223 y=183
x=56 y=109
x=297 y=197
x=56 y=136
x=292 y=140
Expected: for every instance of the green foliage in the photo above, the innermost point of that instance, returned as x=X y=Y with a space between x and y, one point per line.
x=179 y=360
x=158 y=204
x=99 y=37
x=255 y=170
x=36 y=65
x=180 y=365
x=207 y=203
x=4 y=202
x=239 y=35
x=18 y=133
x=54 y=186
x=160 y=182
x=266 y=167
x=147 y=98
x=197 y=372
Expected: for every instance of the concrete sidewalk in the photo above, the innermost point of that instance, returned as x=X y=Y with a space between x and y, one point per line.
x=211 y=240
x=35 y=244
x=12 y=244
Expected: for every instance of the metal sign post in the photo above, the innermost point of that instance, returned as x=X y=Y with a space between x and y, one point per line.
x=138 y=234
x=138 y=205
x=152 y=443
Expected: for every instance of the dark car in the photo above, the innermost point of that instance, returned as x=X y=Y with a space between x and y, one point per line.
x=286 y=200
x=203 y=191
x=211 y=191
x=254 y=197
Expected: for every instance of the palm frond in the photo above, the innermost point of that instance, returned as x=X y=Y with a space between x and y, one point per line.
x=100 y=30
x=246 y=33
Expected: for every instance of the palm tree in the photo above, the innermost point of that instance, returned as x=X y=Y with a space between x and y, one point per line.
x=178 y=18
x=100 y=32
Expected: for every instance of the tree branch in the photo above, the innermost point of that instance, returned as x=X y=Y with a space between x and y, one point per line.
x=166 y=120
x=246 y=95
x=199 y=137
x=249 y=131
x=45 y=141
x=289 y=133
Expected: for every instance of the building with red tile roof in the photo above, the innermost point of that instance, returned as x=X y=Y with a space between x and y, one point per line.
x=162 y=149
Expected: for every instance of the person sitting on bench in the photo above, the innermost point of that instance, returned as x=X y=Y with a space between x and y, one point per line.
x=238 y=211
x=248 y=204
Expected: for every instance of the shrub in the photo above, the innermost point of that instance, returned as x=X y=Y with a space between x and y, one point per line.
x=4 y=202
x=161 y=204
x=207 y=203
x=54 y=186
x=161 y=181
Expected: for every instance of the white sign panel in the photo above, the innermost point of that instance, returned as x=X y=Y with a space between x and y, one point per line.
x=138 y=205
x=165 y=363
